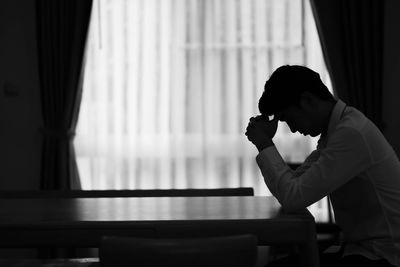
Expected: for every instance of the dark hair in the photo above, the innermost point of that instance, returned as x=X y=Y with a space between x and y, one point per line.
x=285 y=86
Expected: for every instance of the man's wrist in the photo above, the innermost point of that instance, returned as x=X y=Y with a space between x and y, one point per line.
x=266 y=143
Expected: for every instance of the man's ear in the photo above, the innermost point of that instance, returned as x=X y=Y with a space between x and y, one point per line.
x=308 y=101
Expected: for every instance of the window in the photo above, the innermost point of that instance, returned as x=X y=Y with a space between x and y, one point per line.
x=169 y=87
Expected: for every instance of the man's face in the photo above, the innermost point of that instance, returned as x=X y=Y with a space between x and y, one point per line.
x=300 y=120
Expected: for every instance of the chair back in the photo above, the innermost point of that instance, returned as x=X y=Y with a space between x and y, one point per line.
x=195 y=192
x=221 y=251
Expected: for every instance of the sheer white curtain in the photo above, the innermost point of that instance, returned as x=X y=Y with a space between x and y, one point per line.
x=170 y=85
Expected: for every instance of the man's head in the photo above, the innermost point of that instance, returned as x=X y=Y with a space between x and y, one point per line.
x=296 y=95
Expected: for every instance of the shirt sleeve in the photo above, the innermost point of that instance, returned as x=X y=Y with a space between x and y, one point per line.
x=345 y=155
x=313 y=157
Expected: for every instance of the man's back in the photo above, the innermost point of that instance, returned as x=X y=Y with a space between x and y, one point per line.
x=367 y=207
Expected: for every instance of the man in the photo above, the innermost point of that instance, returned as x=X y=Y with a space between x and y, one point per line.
x=353 y=164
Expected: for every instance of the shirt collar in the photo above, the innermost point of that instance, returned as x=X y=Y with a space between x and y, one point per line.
x=334 y=119
x=335 y=116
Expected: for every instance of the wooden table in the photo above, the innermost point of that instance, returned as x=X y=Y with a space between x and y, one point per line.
x=89 y=262
x=81 y=222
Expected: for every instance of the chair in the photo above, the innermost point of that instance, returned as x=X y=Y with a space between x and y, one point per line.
x=328 y=233
x=197 y=192
x=221 y=251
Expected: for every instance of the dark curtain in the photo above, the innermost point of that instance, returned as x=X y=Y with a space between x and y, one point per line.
x=351 y=34
x=62 y=27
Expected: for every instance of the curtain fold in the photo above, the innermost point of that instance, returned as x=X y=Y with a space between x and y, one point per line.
x=351 y=34
x=62 y=27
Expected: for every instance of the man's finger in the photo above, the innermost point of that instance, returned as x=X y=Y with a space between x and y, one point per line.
x=259 y=117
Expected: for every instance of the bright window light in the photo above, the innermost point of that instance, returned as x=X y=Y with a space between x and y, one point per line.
x=169 y=87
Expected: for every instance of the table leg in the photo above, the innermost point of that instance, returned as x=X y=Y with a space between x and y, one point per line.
x=309 y=250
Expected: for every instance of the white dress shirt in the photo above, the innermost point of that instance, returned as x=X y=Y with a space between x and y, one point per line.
x=356 y=166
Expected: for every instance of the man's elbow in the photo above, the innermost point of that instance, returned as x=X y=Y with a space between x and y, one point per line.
x=291 y=197
x=292 y=205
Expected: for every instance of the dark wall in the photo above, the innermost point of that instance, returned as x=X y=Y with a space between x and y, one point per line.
x=19 y=97
x=391 y=75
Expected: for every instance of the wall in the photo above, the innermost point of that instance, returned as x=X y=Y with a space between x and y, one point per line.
x=391 y=84
x=19 y=97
